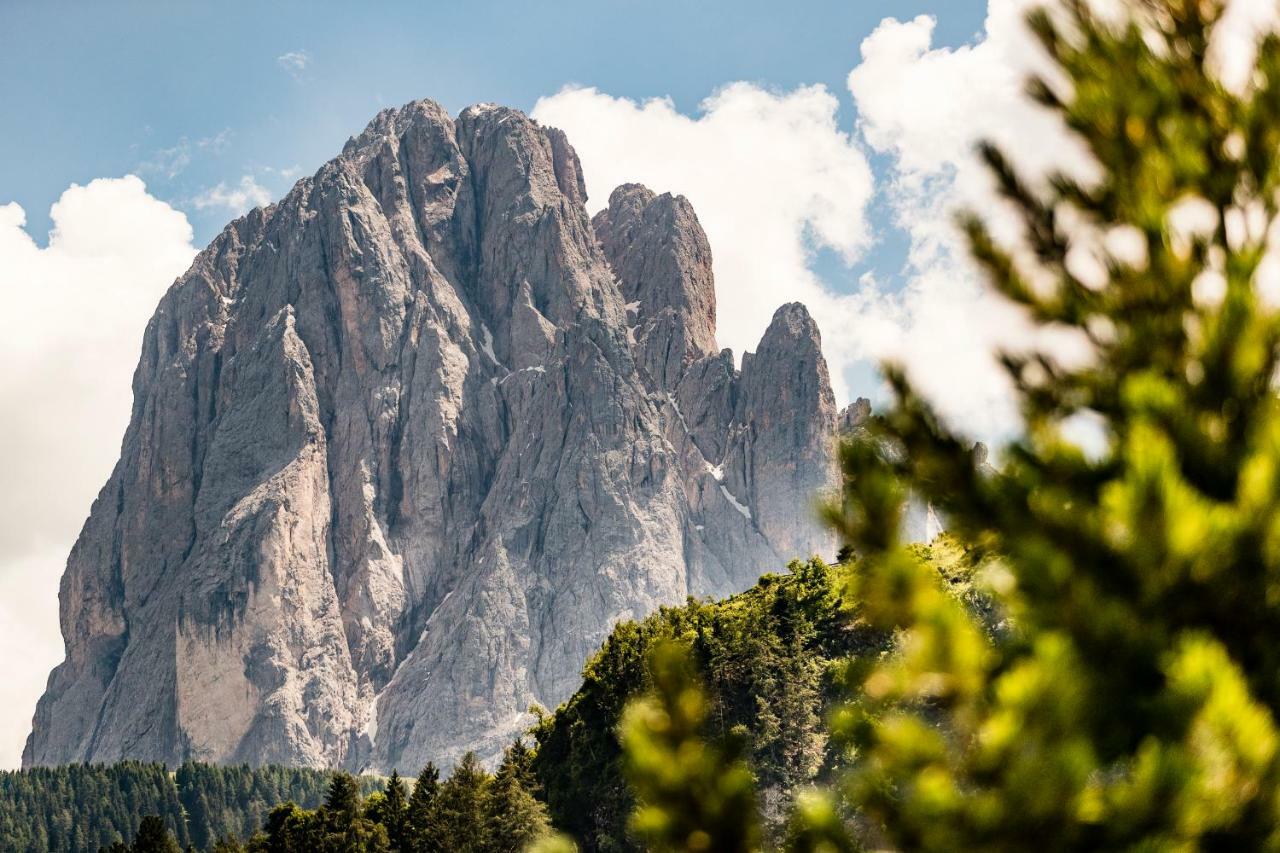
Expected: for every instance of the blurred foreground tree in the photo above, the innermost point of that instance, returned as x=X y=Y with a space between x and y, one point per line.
x=694 y=793
x=1129 y=700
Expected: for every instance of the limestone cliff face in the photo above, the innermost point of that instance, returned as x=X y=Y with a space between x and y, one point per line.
x=406 y=444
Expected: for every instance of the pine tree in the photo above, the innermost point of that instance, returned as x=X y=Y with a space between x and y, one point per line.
x=422 y=806
x=343 y=826
x=1133 y=703
x=514 y=817
x=392 y=813
x=289 y=829
x=342 y=802
x=789 y=741
x=154 y=837
x=457 y=819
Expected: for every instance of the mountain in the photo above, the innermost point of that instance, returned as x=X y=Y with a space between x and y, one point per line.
x=406 y=444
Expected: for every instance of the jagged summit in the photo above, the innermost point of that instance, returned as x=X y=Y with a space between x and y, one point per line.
x=406 y=444
x=661 y=261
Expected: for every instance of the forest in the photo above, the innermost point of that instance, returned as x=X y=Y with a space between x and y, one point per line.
x=84 y=807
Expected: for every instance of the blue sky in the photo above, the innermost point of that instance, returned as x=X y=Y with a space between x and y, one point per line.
x=113 y=88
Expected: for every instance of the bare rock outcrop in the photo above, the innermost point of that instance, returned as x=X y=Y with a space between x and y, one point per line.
x=406 y=444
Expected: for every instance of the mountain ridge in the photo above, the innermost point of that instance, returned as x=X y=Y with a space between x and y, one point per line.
x=406 y=444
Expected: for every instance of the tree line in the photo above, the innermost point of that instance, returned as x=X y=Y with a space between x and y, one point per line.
x=471 y=811
x=83 y=807
x=768 y=660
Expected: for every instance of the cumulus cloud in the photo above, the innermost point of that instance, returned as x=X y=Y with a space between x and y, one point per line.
x=70 y=336
x=295 y=62
x=770 y=175
x=926 y=108
x=235 y=198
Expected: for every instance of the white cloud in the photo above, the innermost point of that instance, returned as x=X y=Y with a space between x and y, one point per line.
x=769 y=175
x=171 y=162
x=70 y=336
x=235 y=198
x=295 y=62
x=927 y=108
x=768 y=172
x=30 y=643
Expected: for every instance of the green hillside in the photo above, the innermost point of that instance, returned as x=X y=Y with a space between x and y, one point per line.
x=767 y=658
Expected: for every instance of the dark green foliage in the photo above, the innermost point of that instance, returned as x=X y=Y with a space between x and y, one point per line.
x=764 y=656
x=514 y=817
x=86 y=807
x=341 y=825
x=391 y=809
x=457 y=821
x=342 y=802
x=694 y=791
x=289 y=829
x=83 y=807
x=422 y=805
x=234 y=801
x=154 y=837
x=695 y=788
x=470 y=812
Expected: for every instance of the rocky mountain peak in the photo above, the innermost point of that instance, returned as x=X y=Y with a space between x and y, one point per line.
x=792 y=322
x=785 y=401
x=854 y=415
x=402 y=452
x=661 y=260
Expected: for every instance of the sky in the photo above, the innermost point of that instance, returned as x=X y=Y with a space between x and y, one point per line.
x=825 y=145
